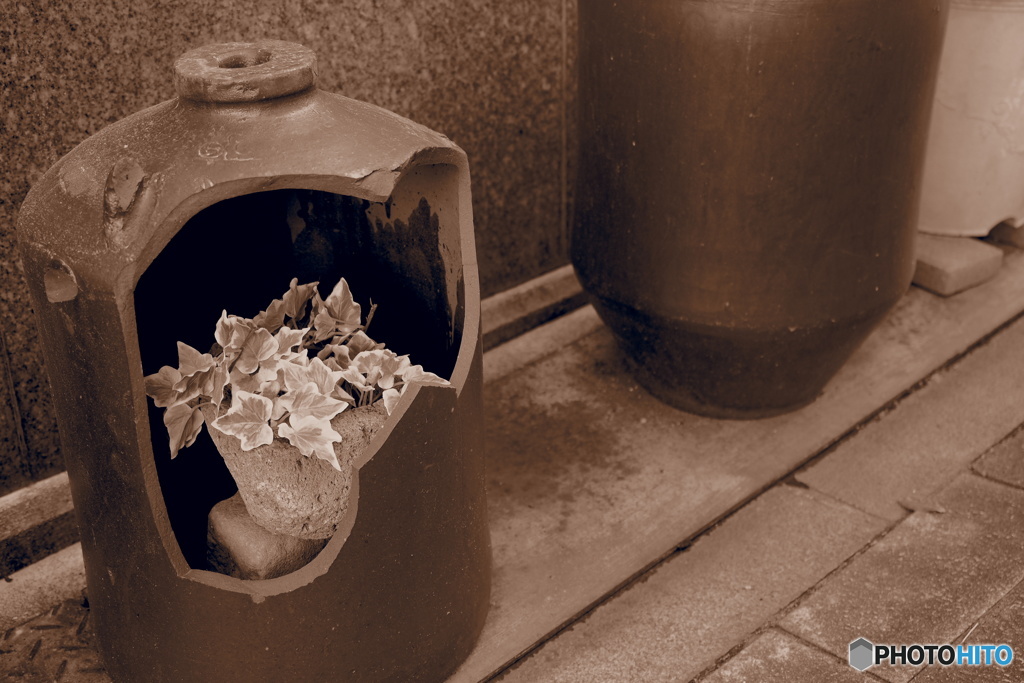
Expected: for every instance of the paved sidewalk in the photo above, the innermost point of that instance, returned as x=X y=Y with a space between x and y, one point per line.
x=910 y=531
x=908 y=528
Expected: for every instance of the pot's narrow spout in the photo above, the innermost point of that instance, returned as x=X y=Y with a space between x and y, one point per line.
x=244 y=72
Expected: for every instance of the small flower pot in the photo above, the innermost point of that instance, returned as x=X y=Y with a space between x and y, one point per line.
x=288 y=493
x=215 y=200
x=974 y=167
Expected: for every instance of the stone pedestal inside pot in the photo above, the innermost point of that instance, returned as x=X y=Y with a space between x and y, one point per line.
x=251 y=177
x=238 y=546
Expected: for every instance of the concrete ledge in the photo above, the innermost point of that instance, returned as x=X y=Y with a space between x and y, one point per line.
x=517 y=310
x=32 y=505
x=544 y=341
x=35 y=521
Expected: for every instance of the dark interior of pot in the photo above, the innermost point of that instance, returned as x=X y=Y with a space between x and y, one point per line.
x=239 y=254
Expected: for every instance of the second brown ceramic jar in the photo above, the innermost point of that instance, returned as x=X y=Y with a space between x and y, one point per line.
x=748 y=185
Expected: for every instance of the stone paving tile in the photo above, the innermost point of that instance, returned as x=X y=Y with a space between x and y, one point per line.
x=1001 y=624
x=41 y=585
x=702 y=602
x=927 y=580
x=1005 y=461
x=777 y=657
x=928 y=438
x=55 y=646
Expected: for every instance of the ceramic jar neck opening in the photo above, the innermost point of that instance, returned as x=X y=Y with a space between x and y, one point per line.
x=244 y=72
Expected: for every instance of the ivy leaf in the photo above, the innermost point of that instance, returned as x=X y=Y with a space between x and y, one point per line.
x=183 y=423
x=195 y=384
x=324 y=325
x=416 y=373
x=271 y=319
x=278 y=411
x=287 y=339
x=338 y=314
x=324 y=378
x=332 y=363
x=301 y=358
x=352 y=375
x=391 y=398
x=343 y=395
x=379 y=367
x=225 y=328
x=309 y=401
x=270 y=388
x=339 y=352
x=248 y=420
x=391 y=367
x=160 y=386
x=360 y=342
x=214 y=386
x=312 y=436
x=343 y=308
x=258 y=347
x=241 y=381
x=191 y=361
x=296 y=298
x=231 y=333
x=269 y=371
x=222 y=331
x=295 y=376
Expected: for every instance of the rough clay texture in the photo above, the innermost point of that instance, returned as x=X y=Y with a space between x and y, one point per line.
x=288 y=493
x=239 y=547
x=495 y=77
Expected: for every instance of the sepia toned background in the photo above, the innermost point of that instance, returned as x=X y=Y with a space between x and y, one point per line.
x=495 y=77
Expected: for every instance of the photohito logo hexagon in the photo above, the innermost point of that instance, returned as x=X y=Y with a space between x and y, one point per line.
x=862 y=653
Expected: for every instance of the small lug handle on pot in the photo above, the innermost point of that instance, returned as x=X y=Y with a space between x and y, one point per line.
x=59 y=282
x=244 y=72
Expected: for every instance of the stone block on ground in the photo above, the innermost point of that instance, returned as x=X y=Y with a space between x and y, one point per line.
x=931 y=436
x=1000 y=625
x=239 y=547
x=702 y=602
x=1005 y=461
x=777 y=657
x=947 y=265
x=927 y=581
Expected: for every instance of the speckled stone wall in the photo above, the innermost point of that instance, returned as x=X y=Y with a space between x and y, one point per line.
x=497 y=77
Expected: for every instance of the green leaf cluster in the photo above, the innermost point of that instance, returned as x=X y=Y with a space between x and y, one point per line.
x=287 y=372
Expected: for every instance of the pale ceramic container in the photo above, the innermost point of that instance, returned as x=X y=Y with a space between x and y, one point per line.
x=974 y=168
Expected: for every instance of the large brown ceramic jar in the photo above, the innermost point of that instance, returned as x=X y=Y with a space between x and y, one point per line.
x=214 y=200
x=748 y=184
